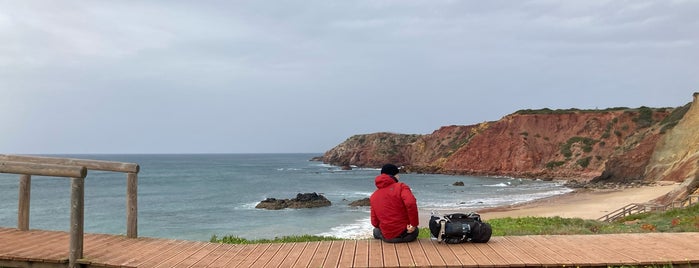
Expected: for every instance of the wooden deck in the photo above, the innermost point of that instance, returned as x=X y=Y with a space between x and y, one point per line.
x=36 y=248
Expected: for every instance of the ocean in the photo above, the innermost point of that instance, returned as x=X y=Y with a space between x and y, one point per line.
x=195 y=196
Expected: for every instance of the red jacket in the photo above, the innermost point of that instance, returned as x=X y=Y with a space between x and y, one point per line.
x=393 y=207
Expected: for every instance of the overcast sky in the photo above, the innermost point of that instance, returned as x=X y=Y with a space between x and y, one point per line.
x=170 y=76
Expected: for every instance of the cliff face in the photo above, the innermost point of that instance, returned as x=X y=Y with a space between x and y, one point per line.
x=677 y=153
x=676 y=156
x=619 y=145
x=565 y=145
x=372 y=150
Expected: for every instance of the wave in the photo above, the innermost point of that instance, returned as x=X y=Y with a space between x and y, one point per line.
x=491 y=201
x=360 y=229
x=288 y=169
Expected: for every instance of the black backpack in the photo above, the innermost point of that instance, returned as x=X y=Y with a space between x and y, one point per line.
x=459 y=228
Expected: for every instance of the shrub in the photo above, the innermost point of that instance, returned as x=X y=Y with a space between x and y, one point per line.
x=554 y=164
x=645 y=117
x=584 y=162
x=586 y=147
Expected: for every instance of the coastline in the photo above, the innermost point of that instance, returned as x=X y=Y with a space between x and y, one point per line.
x=581 y=203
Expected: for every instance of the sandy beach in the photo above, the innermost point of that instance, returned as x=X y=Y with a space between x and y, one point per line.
x=583 y=203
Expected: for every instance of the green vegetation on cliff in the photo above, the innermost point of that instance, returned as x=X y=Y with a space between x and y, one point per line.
x=568 y=111
x=671 y=120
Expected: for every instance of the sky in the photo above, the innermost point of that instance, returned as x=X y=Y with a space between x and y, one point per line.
x=170 y=76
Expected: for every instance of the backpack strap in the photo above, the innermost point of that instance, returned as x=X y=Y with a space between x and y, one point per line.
x=442 y=224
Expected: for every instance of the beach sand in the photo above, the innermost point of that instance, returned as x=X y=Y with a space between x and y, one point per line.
x=582 y=203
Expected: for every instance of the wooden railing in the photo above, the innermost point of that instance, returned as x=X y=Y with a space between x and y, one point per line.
x=76 y=170
x=636 y=208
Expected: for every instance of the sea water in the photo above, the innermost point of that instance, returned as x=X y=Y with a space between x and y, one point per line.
x=195 y=196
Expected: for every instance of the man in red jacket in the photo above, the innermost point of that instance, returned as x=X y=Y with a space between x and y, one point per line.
x=393 y=208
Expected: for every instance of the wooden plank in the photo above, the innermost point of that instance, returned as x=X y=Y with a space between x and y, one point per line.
x=375 y=253
x=89 y=164
x=570 y=254
x=17 y=239
x=266 y=255
x=43 y=169
x=685 y=244
x=585 y=254
x=390 y=257
x=77 y=220
x=97 y=246
x=284 y=251
x=598 y=245
x=639 y=247
x=35 y=248
x=127 y=247
x=447 y=254
x=579 y=250
x=493 y=255
x=418 y=254
x=334 y=254
x=294 y=254
x=58 y=244
x=321 y=253
x=468 y=255
x=500 y=245
x=24 y=195
x=621 y=245
x=161 y=256
x=405 y=259
x=131 y=205
x=145 y=249
x=174 y=261
x=216 y=254
x=534 y=250
x=53 y=249
x=226 y=256
x=251 y=257
x=108 y=245
x=233 y=260
x=361 y=257
x=306 y=255
x=433 y=257
x=348 y=253
x=520 y=250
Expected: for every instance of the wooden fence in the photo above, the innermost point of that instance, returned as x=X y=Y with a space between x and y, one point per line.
x=76 y=170
x=636 y=208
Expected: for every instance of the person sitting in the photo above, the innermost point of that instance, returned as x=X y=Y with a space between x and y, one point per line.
x=394 y=211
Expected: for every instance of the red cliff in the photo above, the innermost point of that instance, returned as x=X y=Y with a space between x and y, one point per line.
x=618 y=144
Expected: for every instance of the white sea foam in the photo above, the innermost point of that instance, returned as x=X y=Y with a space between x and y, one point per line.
x=246 y=206
x=359 y=229
x=288 y=169
x=502 y=184
x=488 y=201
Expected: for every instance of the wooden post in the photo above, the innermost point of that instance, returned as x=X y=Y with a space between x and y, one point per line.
x=131 y=205
x=77 y=209
x=25 y=187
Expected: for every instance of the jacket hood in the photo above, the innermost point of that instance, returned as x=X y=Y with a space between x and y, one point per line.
x=384 y=180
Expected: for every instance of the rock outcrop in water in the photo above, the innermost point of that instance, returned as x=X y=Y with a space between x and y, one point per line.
x=307 y=200
x=616 y=145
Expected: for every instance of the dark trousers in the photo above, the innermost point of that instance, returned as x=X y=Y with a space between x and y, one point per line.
x=403 y=237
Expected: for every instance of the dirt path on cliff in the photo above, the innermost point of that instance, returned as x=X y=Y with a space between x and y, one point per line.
x=585 y=204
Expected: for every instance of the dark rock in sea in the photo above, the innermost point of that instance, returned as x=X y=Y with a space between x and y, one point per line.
x=317 y=159
x=307 y=200
x=458 y=183
x=360 y=203
x=346 y=167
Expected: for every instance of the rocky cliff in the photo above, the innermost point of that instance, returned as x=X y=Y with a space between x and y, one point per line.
x=616 y=144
